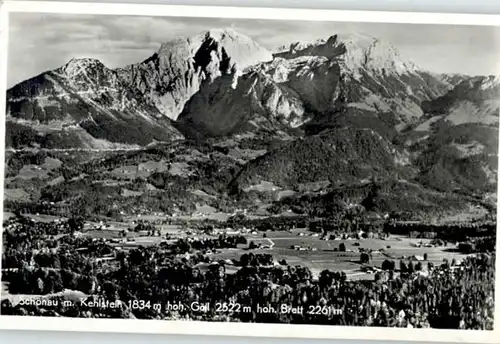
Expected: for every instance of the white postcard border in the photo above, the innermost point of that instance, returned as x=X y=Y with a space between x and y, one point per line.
x=218 y=328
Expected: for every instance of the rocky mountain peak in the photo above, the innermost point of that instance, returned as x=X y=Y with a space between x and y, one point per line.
x=77 y=66
x=239 y=49
x=221 y=82
x=169 y=78
x=363 y=51
x=321 y=47
x=85 y=74
x=224 y=43
x=354 y=51
x=490 y=82
x=220 y=34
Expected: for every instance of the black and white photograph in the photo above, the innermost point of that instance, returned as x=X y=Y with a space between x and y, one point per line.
x=246 y=170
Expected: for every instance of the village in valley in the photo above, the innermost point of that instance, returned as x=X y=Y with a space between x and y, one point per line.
x=329 y=183
x=359 y=253
x=48 y=256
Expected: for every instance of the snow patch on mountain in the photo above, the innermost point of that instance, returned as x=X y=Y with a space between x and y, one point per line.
x=89 y=142
x=469 y=149
x=372 y=102
x=490 y=82
x=491 y=175
x=426 y=126
x=468 y=112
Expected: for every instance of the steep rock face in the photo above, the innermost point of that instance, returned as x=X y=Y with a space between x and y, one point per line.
x=231 y=105
x=451 y=80
x=172 y=75
x=315 y=83
x=263 y=98
x=330 y=48
x=377 y=79
x=315 y=79
x=82 y=104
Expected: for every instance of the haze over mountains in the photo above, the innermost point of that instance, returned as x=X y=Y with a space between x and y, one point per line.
x=346 y=109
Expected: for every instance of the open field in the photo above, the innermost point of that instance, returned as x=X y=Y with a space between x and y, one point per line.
x=147 y=168
x=213 y=216
x=45 y=218
x=16 y=195
x=30 y=171
x=296 y=247
x=126 y=172
x=33 y=171
x=321 y=254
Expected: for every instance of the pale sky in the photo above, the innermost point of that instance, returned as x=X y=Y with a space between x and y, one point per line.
x=40 y=42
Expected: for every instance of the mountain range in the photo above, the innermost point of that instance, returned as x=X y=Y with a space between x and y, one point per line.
x=345 y=109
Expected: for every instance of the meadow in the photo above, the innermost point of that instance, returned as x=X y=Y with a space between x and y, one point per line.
x=319 y=254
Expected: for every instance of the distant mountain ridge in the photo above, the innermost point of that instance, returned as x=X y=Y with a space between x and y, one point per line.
x=349 y=76
x=134 y=105
x=220 y=83
x=81 y=104
x=339 y=111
